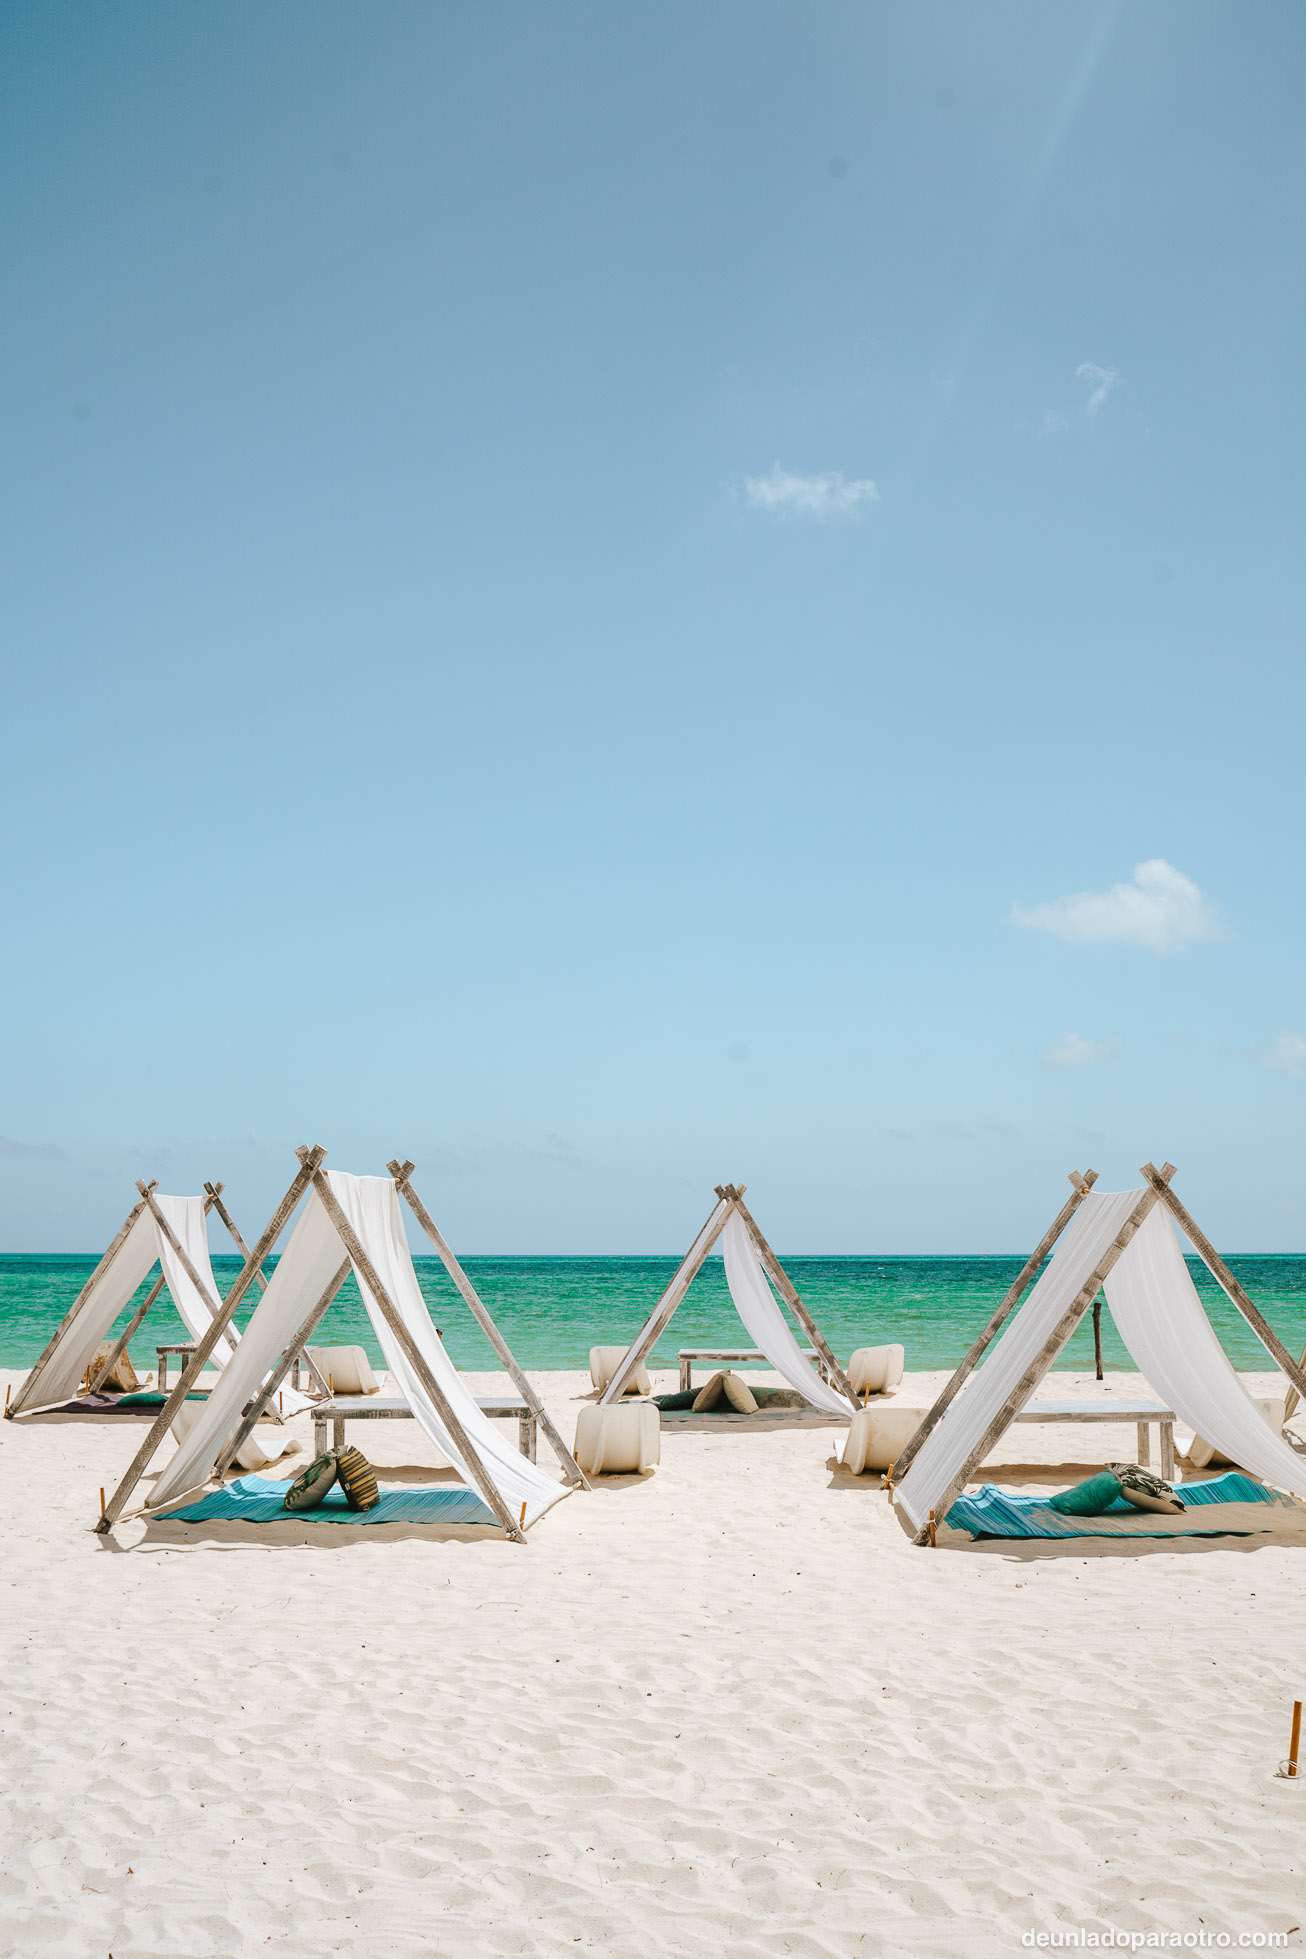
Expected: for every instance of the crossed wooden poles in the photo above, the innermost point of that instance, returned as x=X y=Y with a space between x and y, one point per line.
x=730 y=1198
x=212 y=1202
x=1157 y=1191
x=311 y=1175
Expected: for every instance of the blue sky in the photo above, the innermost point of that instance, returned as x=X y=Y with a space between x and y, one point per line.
x=587 y=589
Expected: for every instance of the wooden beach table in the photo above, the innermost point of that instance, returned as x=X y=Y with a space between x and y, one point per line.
x=688 y=1355
x=343 y=1408
x=186 y=1347
x=1140 y=1412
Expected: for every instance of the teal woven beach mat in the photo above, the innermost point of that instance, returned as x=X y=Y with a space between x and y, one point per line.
x=259 y=1500
x=991 y=1512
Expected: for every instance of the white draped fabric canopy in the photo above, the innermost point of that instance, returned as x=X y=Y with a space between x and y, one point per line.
x=60 y=1374
x=757 y=1307
x=1162 y=1321
x=305 y=1270
x=1164 y=1326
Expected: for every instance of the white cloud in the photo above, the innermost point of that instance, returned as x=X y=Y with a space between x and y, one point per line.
x=1100 y=379
x=1161 y=909
x=1287 y=1053
x=1053 y=423
x=1073 y=1051
x=784 y=494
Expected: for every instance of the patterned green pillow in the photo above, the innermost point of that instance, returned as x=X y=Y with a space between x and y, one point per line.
x=312 y=1484
x=1145 y=1491
x=357 y=1479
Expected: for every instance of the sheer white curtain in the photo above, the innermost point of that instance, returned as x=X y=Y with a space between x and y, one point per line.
x=186 y=1216
x=756 y=1306
x=60 y=1374
x=1162 y=1321
x=1083 y=1245
x=304 y=1271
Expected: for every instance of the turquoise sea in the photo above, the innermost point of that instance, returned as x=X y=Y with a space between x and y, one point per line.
x=552 y=1310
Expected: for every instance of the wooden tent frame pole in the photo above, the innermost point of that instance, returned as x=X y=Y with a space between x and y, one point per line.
x=1206 y=1251
x=1019 y=1286
x=214 y=1194
x=183 y=1255
x=22 y=1397
x=784 y=1286
x=1292 y=1397
x=276 y=1377
x=186 y=1265
x=194 y=1367
x=106 y=1367
x=402 y=1174
x=367 y=1272
x=261 y=1279
x=1052 y=1346
x=665 y=1310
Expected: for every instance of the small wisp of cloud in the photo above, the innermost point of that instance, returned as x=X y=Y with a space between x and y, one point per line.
x=1074 y=1051
x=1101 y=381
x=784 y=493
x=1287 y=1053
x=1162 y=910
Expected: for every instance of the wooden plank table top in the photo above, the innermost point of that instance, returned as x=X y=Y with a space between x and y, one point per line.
x=1141 y=1413
x=688 y=1355
x=341 y=1408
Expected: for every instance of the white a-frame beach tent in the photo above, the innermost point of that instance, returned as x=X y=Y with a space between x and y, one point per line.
x=749 y=1263
x=168 y=1230
x=1123 y=1242
x=347 y=1223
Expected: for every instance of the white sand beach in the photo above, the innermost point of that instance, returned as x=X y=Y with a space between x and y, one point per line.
x=727 y=1708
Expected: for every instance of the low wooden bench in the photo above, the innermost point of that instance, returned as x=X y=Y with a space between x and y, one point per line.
x=393 y=1408
x=688 y=1355
x=1141 y=1412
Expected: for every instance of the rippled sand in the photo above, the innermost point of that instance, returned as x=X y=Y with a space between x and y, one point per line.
x=728 y=1709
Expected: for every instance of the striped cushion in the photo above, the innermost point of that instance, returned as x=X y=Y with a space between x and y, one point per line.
x=357 y=1479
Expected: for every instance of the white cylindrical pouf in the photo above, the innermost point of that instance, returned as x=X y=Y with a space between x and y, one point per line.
x=624 y=1440
x=604 y=1362
x=873 y=1370
x=347 y=1369
x=877 y=1436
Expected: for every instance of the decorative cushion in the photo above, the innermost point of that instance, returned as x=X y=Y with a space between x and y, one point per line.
x=604 y=1362
x=357 y=1478
x=710 y=1394
x=1145 y=1491
x=347 y=1369
x=312 y=1484
x=122 y=1375
x=740 y=1396
x=1089 y=1499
